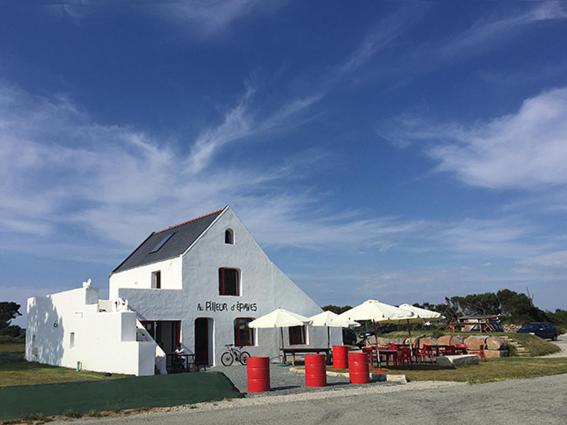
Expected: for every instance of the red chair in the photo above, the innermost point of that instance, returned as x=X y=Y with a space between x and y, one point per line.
x=404 y=356
x=371 y=352
x=479 y=352
x=461 y=348
x=423 y=352
x=450 y=350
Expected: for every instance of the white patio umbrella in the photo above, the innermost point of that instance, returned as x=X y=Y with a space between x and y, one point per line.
x=279 y=318
x=420 y=315
x=376 y=312
x=331 y=320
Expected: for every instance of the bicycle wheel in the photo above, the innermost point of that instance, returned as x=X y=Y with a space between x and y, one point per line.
x=244 y=357
x=227 y=359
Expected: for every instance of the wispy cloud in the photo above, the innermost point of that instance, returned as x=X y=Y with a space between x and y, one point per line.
x=209 y=17
x=242 y=122
x=490 y=32
x=385 y=32
x=483 y=35
x=522 y=150
x=552 y=260
x=113 y=184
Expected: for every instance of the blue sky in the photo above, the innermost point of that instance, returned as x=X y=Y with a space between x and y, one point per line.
x=404 y=151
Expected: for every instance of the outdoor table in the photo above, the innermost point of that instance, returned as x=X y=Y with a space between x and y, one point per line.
x=440 y=349
x=294 y=351
x=180 y=362
x=381 y=351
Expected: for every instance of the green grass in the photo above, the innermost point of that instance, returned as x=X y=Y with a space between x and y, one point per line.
x=14 y=370
x=535 y=345
x=34 y=391
x=80 y=398
x=12 y=347
x=491 y=371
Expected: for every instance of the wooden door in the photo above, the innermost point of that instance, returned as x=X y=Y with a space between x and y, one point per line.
x=202 y=340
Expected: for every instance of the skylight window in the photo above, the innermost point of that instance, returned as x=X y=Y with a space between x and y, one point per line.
x=161 y=243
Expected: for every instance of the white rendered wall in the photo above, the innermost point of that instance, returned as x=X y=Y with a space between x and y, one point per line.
x=264 y=287
x=141 y=277
x=103 y=341
x=263 y=284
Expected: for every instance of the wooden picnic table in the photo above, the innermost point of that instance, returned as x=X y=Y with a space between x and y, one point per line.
x=306 y=350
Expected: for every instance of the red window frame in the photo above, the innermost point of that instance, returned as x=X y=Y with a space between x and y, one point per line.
x=297 y=335
x=243 y=337
x=222 y=282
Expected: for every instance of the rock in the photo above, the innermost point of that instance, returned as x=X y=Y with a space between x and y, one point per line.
x=449 y=340
x=382 y=342
x=495 y=354
x=495 y=343
x=457 y=361
x=428 y=340
x=400 y=379
x=476 y=342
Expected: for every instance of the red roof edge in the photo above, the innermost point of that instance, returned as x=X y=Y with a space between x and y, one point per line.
x=193 y=219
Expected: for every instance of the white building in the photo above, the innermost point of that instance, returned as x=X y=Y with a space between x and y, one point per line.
x=197 y=284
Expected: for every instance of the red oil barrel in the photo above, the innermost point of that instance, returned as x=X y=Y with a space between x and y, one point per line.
x=258 y=372
x=315 y=370
x=358 y=368
x=340 y=356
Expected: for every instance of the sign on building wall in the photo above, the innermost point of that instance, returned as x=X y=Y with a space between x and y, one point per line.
x=215 y=307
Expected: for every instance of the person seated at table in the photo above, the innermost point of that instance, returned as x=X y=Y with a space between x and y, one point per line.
x=180 y=357
x=179 y=350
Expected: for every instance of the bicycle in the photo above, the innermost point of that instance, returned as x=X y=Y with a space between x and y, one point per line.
x=233 y=354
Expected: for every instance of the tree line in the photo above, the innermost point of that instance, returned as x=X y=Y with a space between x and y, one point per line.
x=9 y=310
x=512 y=307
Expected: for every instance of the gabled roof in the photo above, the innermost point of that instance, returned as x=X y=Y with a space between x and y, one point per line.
x=168 y=243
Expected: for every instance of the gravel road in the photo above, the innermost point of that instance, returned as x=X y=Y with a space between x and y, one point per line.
x=535 y=401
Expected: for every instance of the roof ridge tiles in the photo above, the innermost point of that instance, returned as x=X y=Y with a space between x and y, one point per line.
x=189 y=221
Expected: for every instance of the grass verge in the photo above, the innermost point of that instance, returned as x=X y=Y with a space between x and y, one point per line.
x=14 y=370
x=79 y=398
x=535 y=345
x=491 y=371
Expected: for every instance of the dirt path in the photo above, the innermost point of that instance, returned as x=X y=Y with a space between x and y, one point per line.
x=561 y=343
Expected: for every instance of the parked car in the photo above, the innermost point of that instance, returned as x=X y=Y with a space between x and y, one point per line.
x=542 y=329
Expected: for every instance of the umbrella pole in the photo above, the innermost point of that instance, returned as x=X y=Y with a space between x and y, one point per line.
x=410 y=341
x=283 y=354
x=328 y=338
x=376 y=342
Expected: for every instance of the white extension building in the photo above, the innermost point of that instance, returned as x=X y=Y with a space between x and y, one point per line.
x=197 y=284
